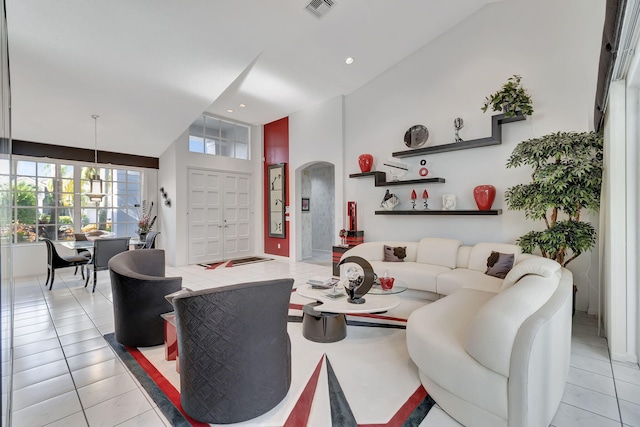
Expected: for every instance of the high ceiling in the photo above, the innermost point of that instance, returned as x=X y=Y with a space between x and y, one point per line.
x=150 y=67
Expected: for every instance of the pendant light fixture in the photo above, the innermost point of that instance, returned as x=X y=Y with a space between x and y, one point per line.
x=95 y=183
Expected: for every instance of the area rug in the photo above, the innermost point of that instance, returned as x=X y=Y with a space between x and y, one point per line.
x=366 y=380
x=235 y=262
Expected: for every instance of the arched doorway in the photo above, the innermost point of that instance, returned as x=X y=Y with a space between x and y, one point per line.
x=317 y=212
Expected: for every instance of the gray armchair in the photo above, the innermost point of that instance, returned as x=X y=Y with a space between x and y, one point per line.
x=235 y=352
x=139 y=285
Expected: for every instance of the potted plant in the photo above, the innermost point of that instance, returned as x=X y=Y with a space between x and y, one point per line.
x=145 y=223
x=511 y=99
x=566 y=179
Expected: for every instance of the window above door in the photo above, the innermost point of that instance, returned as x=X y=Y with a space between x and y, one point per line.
x=210 y=135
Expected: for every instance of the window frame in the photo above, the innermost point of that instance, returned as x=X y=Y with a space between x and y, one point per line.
x=77 y=208
x=218 y=142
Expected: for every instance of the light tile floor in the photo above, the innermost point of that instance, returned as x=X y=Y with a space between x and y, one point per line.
x=65 y=374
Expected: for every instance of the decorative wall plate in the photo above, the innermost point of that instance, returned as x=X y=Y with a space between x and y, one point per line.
x=416 y=136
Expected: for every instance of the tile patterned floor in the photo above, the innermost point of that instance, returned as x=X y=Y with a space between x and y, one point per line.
x=65 y=374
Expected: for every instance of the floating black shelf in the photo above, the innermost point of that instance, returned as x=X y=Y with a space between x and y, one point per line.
x=380 y=179
x=432 y=212
x=495 y=139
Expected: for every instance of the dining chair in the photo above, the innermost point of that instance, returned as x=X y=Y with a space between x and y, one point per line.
x=80 y=237
x=150 y=242
x=103 y=251
x=54 y=260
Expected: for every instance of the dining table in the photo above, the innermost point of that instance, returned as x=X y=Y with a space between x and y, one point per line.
x=88 y=244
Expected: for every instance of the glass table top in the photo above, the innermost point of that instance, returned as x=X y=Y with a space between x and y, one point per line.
x=398 y=286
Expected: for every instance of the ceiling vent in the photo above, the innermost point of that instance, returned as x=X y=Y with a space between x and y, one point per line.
x=319 y=7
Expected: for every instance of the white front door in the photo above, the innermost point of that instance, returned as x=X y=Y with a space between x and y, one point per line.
x=219 y=215
x=236 y=215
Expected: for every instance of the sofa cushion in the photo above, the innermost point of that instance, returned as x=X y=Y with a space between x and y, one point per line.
x=462 y=260
x=421 y=277
x=499 y=264
x=452 y=280
x=435 y=251
x=436 y=337
x=481 y=251
x=394 y=253
x=494 y=328
x=531 y=265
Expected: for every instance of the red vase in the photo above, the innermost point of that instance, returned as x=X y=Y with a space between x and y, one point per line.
x=365 y=161
x=484 y=195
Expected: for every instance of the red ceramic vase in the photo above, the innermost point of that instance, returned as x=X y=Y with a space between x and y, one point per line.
x=366 y=162
x=484 y=195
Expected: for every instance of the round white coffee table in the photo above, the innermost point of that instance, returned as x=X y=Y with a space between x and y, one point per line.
x=324 y=320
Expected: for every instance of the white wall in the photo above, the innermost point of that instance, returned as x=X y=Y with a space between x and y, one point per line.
x=557 y=55
x=315 y=135
x=178 y=160
x=166 y=180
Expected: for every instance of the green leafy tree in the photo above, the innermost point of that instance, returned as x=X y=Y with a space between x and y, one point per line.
x=566 y=179
x=25 y=195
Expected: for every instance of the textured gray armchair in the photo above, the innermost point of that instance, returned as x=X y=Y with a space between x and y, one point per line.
x=235 y=352
x=138 y=286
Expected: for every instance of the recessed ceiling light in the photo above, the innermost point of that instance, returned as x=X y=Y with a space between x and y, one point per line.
x=229 y=110
x=243 y=105
x=349 y=61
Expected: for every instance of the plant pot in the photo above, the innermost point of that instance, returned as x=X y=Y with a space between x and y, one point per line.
x=484 y=196
x=143 y=237
x=365 y=161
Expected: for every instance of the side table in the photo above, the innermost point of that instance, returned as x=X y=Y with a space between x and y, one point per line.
x=171 y=338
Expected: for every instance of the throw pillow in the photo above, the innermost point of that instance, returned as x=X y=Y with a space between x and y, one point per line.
x=499 y=264
x=395 y=254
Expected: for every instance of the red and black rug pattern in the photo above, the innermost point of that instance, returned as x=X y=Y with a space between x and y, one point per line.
x=234 y=262
x=167 y=397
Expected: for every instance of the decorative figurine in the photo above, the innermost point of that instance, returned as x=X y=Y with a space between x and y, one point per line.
x=414 y=196
x=449 y=202
x=425 y=197
x=353 y=217
x=458 y=124
x=423 y=171
x=396 y=169
x=389 y=201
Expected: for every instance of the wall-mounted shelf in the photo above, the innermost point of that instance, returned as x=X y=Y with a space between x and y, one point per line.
x=495 y=139
x=433 y=212
x=380 y=179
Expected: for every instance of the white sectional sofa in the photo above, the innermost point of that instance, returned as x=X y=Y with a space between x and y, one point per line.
x=492 y=352
x=438 y=266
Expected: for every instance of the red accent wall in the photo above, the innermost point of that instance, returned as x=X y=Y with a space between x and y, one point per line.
x=276 y=150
